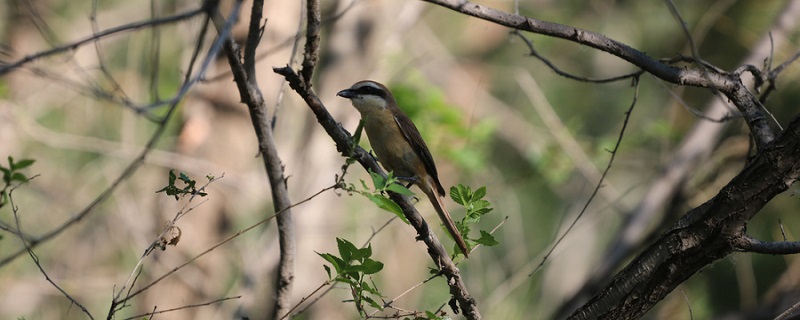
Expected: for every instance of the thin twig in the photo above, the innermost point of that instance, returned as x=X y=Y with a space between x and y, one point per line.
x=534 y=53
x=219 y=244
x=602 y=178
x=99 y=35
x=677 y=15
x=183 y=308
x=323 y=285
x=33 y=256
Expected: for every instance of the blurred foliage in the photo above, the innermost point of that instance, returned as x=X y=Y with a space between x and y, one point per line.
x=444 y=126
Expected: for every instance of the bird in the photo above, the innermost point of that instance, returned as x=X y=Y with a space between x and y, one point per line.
x=399 y=147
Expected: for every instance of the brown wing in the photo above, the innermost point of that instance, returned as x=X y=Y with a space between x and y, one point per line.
x=411 y=133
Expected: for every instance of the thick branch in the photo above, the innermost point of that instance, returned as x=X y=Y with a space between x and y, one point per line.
x=693 y=151
x=705 y=234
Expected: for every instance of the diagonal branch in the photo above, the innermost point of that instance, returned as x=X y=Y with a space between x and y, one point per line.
x=705 y=234
x=344 y=144
x=6 y=68
x=730 y=84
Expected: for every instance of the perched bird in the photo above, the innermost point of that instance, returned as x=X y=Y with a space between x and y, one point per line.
x=399 y=146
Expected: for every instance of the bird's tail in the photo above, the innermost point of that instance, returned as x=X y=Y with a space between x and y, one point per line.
x=438 y=204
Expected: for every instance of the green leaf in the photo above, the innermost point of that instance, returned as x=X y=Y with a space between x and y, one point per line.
x=172 y=177
x=487 y=239
x=327 y=270
x=370 y=266
x=337 y=263
x=368 y=288
x=22 y=164
x=401 y=189
x=361 y=254
x=432 y=316
x=387 y=204
x=459 y=194
x=16 y=176
x=377 y=180
x=185 y=178
x=479 y=194
x=345 y=280
x=346 y=249
x=357 y=134
x=372 y=303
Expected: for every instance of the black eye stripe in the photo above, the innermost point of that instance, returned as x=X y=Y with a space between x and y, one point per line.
x=370 y=90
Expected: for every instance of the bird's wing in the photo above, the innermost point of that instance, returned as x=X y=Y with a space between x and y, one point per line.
x=411 y=133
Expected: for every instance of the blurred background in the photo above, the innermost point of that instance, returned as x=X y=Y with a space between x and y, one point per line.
x=491 y=114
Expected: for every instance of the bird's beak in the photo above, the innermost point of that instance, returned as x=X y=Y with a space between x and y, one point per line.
x=347 y=93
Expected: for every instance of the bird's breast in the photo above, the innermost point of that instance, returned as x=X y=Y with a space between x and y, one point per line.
x=391 y=147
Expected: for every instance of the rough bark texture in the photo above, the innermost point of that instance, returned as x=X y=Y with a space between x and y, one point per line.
x=707 y=233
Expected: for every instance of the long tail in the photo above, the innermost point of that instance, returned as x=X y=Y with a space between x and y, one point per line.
x=437 y=203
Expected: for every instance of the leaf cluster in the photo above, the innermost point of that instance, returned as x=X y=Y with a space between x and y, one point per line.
x=11 y=174
x=351 y=267
x=476 y=208
x=191 y=189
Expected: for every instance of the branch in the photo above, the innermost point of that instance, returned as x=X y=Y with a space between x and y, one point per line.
x=311 y=53
x=692 y=152
x=35 y=258
x=251 y=96
x=344 y=144
x=750 y=244
x=197 y=305
x=729 y=84
x=704 y=235
x=99 y=35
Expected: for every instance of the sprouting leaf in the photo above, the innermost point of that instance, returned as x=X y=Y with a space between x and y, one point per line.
x=361 y=254
x=327 y=270
x=487 y=239
x=346 y=249
x=377 y=180
x=16 y=176
x=372 y=302
x=387 y=204
x=401 y=189
x=370 y=266
x=22 y=164
x=338 y=264
x=479 y=194
x=458 y=194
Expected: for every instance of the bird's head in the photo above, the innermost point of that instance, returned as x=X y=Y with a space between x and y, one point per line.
x=368 y=96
